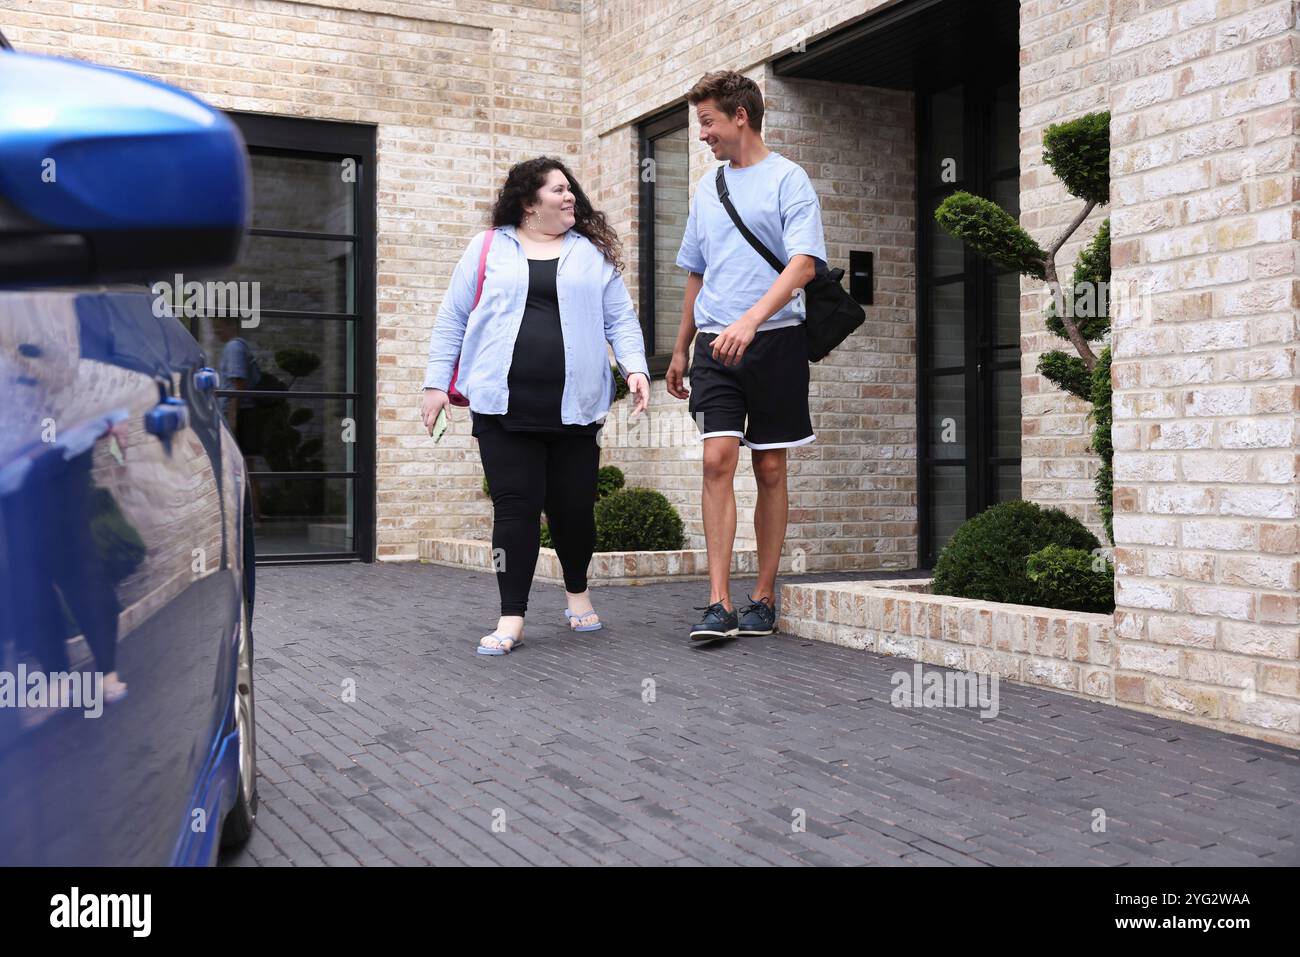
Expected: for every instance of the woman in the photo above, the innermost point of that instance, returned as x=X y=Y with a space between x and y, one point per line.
x=534 y=367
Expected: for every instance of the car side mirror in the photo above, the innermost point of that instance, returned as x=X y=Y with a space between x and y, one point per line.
x=107 y=176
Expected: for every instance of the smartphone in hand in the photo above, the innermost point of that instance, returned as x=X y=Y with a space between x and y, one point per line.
x=439 y=425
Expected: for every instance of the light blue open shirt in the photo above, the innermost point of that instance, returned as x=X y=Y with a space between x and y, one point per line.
x=595 y=309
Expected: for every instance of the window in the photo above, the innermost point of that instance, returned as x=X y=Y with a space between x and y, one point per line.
x=664 y=207
x=303 y=408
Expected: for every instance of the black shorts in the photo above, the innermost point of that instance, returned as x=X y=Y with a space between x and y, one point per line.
x=763 y=399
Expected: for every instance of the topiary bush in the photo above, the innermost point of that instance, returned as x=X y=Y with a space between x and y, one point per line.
x=1078 y=152
x=1071 y=579
x=635 y=520
x=991 y=231
x=985 y=559
x=609 y=479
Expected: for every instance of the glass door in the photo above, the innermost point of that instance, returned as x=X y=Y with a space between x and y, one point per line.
x=968 y=336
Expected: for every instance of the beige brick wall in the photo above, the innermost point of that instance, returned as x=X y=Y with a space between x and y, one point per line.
x=458 y=93
x=1204 y=185
x=853 y=498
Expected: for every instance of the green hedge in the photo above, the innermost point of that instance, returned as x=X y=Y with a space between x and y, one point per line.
x=635 y=520
x=986 y=557
x=1071 y=579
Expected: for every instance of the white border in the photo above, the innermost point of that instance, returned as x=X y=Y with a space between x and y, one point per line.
x=778 y=445
x=714 y=435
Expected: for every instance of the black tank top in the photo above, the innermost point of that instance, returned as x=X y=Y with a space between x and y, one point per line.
x=537 y=370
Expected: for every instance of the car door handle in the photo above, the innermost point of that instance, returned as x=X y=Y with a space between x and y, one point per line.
x=206 y=379
x=167 y=418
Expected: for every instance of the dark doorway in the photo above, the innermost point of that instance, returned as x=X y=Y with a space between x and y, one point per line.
x=968 y=311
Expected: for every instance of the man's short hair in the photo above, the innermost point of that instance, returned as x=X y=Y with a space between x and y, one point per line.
x=730 y=90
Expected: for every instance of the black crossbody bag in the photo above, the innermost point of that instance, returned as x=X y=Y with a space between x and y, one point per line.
x=831 y=314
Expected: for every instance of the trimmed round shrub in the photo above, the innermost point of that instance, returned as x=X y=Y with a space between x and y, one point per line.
x=1070 y=579
x=985 y=559
x=991 y=231
x=636 y=520
x=609 y=479
x=1078 y=152
x=546 y=535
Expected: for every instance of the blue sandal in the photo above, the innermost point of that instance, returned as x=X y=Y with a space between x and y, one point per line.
x=514 y=643
x=576 y=618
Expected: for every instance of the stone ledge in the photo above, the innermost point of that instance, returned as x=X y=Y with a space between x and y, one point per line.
x=1069 y=651
x=1065 y=650
x=607 y=568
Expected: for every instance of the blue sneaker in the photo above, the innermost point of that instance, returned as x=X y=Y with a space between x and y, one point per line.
x=757 y=618
x=717 y=623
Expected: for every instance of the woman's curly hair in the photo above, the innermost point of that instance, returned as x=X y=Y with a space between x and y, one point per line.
x=521 y=186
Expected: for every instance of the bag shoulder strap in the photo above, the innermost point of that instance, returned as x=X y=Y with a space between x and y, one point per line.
x=482 y=266
x=725 y=195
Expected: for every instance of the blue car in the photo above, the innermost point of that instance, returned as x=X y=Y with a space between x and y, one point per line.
x=126 y=571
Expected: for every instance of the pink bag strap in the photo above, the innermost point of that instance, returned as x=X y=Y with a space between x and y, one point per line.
x=482 y=266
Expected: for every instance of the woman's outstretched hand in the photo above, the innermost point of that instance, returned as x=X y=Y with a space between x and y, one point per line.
x=639 y=386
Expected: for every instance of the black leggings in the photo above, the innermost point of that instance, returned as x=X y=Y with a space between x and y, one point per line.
x=526 y=473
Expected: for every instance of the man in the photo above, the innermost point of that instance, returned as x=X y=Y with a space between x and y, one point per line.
x=749 y=377
x=239 y=370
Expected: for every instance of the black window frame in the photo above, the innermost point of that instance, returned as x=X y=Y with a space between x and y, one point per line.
x=667 y=121
x=298 y=136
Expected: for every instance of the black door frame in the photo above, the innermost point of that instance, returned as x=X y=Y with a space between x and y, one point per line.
x=288 y=135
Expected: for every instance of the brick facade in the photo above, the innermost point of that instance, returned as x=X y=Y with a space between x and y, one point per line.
x=1204 y=228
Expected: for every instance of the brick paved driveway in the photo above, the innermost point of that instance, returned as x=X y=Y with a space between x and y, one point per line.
x=556 y=744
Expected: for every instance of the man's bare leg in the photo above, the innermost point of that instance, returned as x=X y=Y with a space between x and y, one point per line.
x=771 y=513
x=721 y=453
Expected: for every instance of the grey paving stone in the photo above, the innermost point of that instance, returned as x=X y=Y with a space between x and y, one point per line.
x=738 y=735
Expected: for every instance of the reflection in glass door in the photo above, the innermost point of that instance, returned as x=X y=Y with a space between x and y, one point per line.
x=297 y=380
x=968 y=333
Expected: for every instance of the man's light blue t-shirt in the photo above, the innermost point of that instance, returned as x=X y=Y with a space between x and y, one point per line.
x=777 y=202
x=238 y=362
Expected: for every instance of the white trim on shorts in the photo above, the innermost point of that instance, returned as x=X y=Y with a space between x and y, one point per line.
x=778 y=445
x=714 y=435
